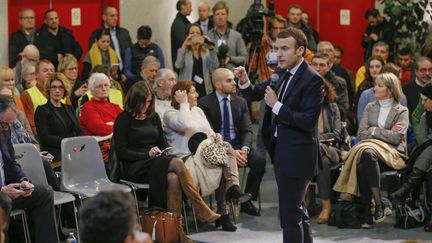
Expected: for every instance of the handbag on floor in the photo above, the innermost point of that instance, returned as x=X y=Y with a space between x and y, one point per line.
x=410 y=215
x=345 y=215
x=163 y=226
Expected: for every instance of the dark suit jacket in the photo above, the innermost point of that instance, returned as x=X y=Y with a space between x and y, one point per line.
x=51 y=127
x=17 y=43
x=12 y=170
x=295 y=151
x=178 y=34
x=412 y=93
x=210 y=24
x=240 y=114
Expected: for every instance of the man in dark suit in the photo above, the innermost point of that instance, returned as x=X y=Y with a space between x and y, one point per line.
x=179 y=27
x=290 y=128
x=15 y=185
x=233 y=122
x=205 y=19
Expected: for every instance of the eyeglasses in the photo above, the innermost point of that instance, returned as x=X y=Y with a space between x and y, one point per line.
x=72 y=69
x=424 y=70
x=28 y=18
x=60 y=88
x=103 y=86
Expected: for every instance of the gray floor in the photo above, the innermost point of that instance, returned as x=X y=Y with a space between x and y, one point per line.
x=266 y=227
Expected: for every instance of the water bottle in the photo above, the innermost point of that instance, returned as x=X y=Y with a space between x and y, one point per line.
x=71 y=238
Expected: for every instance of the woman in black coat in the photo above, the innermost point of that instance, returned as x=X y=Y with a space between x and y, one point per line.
x=55 y=120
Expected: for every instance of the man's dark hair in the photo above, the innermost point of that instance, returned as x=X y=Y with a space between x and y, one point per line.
x=340 y=49
x=49 y=11
x=298 y=36
x=404 y=52
x=101 y=68
x=144 y=32
x=108 y=217
x=101 y=32
x=179 y=4
x=137 y=97
x=371 y=12
x=6 y=102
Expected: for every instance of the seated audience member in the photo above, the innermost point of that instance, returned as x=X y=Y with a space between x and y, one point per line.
x=149 y=67
x=39 y=199
x=379 y=49
x=306 y=20
x=186 y=119
x=54 y=120
x=196 y=59
x=114 y=96
x=229 y=115
x=98 y=114
x=404 y=60
x=33 y=97
x=423 y=74
x=329 y=128
x=222 y=33
x=135 y=54
x=374 y=66
x=321 y=62
x=18 y=134
x=5 y=210
x=422 y=167
x=165 y=81
x=100 y=52
x=7 y=78
x=30 y=53
x=382 y=135
x=68 y=65
x=61 y=40
x=109 y=217
x=138 y=139
x=28 y=75
x=368 y=95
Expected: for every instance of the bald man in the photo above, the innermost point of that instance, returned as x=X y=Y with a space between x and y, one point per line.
x=205 y=19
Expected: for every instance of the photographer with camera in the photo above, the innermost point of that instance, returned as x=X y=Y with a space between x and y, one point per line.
x=196 y=58
x=226 y=38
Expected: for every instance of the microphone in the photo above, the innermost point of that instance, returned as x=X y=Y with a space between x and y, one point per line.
x=273 y=80
x=223 y=50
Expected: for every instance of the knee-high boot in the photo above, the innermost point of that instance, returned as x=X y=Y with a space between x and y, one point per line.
x=412 y=181
x=174 y=201
x=428 y=225
x=204 y=213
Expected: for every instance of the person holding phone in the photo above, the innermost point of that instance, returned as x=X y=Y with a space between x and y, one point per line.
x=139 y=139
x=68 y=65
x=196 y=58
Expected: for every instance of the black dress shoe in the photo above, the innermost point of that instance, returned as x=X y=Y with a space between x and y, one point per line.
x=249 y=208
x=234 y=193
x=226 y=223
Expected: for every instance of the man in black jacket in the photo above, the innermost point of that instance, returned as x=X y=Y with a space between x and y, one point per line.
x=120 y=38
x=205 y=19
x=377 y=30
x=58 y=40
x=179 y=27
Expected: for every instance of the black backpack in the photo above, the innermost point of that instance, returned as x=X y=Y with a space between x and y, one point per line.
x=346 y=215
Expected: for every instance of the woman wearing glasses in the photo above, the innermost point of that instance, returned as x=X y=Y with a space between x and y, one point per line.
x=55 y=120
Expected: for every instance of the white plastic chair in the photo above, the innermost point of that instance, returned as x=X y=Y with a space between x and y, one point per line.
x=27 y=155
x=83 y=170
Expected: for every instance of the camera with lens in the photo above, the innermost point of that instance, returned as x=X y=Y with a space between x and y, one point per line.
x=252 y=26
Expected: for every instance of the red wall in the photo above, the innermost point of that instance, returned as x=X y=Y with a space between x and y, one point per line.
x=90 y=15
x=348 y=37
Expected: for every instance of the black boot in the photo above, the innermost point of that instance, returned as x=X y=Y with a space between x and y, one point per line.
x=428 y=225
x=226 y=223
x=412 y=181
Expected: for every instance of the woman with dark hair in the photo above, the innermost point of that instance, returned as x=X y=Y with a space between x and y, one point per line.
x=139 y=139
x=100 y=53
x=382 y=147
x=373 y=67
x=55 y=120
x=196 y=59
x=422 y=157
x=329 y=128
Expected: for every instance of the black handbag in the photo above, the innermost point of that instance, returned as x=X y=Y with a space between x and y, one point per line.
x=115 y=166
x=410 y=215
x=346 y=215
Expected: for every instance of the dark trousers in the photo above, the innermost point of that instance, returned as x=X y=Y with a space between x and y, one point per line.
x=50 y=175
x=294 y=218
x=41 y=204
x=257 y=164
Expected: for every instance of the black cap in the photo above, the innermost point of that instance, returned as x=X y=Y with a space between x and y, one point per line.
x=144 y=32
x=195 y=141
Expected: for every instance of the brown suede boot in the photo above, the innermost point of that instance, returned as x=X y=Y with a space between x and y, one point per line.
x=204 y=213
x=174 y=202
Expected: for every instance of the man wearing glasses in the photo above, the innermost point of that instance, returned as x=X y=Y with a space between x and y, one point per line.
x=423 y=74
x=24 y=36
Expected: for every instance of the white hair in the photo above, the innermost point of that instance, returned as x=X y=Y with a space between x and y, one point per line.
x=96 y=77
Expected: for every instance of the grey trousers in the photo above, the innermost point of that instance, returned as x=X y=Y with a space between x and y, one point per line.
x=424 y=161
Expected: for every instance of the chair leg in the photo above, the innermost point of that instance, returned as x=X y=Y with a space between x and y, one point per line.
x=75 y=211
x=133 y=188
x=233 y=211
x=194 y=218
x=243 y=185
x=25 y=227
x=185 y=217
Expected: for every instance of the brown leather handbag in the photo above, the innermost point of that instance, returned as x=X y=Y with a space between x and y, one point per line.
x=163 y=226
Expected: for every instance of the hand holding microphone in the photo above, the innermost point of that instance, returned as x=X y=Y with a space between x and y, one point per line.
x=270 y=97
